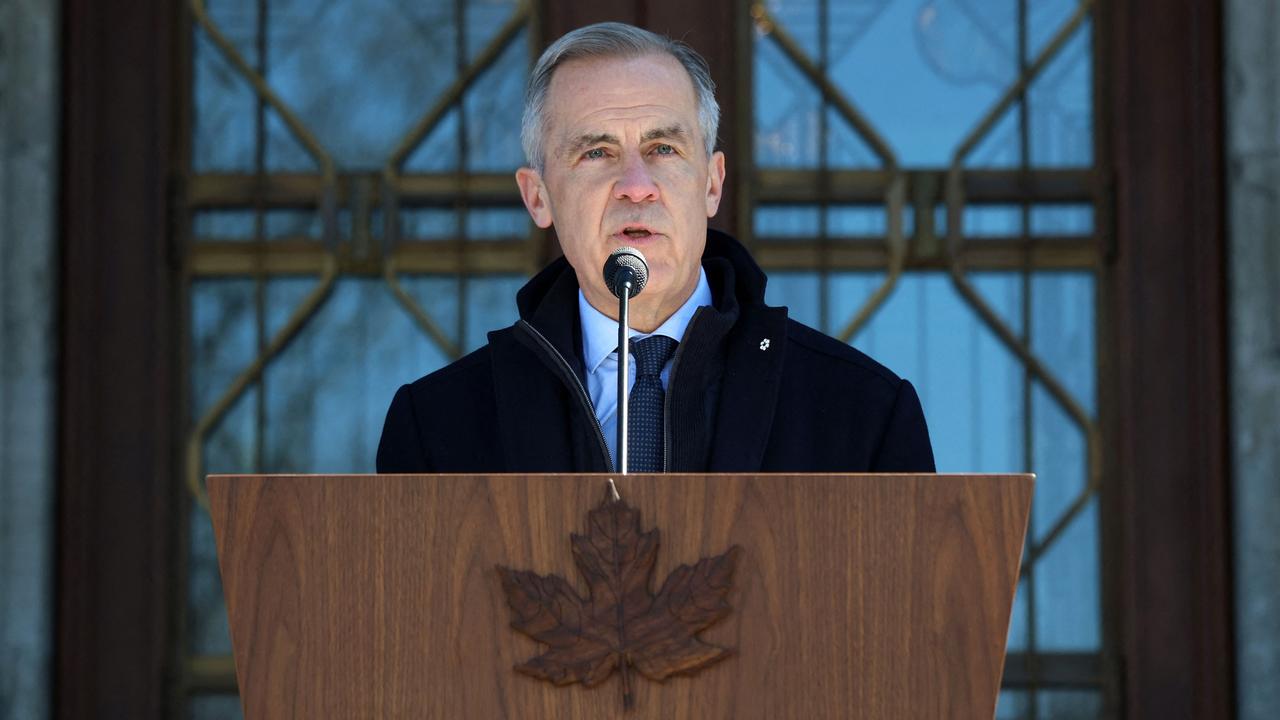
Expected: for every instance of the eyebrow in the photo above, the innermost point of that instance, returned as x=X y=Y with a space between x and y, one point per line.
x=670 y=132
x=582 y=142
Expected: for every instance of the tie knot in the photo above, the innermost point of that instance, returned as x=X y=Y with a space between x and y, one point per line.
x=652 y=353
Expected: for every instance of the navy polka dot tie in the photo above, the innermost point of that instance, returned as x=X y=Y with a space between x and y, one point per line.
x=645 y=431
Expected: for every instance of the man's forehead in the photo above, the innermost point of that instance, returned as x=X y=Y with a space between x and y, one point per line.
x=649 y=95
x=624 y=66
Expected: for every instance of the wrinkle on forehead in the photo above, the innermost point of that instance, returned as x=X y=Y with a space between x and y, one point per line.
x=598 y=97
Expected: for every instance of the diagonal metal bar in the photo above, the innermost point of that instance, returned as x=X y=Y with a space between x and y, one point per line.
x=487 y=57
x=832 y=94
x=1039 y=548
x=955 y=201
x=417 y=312
x=1056 y=389
x=897 y=260
x=1023 y=353
x=264 y=90
x=1019 y=88
x=896 y=192
x=305 y=311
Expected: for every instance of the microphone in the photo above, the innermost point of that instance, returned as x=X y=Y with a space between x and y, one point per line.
x=626 y=264
x=625 y=274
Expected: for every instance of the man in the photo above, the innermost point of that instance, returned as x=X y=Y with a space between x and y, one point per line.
x=619 y=131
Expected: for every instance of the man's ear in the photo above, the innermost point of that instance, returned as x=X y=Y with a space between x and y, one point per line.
x=715 y=182
x=536 y=198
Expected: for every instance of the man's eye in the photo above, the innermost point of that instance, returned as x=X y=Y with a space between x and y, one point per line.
x=594 y=154
x=664 y=150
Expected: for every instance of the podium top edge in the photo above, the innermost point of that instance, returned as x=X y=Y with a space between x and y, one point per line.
x=616 y=476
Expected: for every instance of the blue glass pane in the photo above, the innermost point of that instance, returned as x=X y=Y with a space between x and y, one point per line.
x=1067 y=612
x=856 y=221
x=992 y=221
x=284 y=152
x=214 y=707
x=804 y=221
x=803 y=21
x=1044 y=19
x=925 y=72
x=223 y=225
x=787 y=123
x=223 y=344
x=845 y=147
x=429 y=224
x=971 y=387
x=491 y=304
x=440 y=150
x=223 y=338
x=1062 y=220
x=846 y=295
x=234 y=225
x=799 y=292
x=493 y=112
x=330 y=63
x=1059 y=461
x=788 y=221
x=223 y=122
x=1012 y=705
x=1070 y=704
x=292 y=224
x=483 y=20
x=1063 y=333
x=1061 y=107
x=328 y=391
x=1018 y=624
x=1001 y=147
x=498 y=224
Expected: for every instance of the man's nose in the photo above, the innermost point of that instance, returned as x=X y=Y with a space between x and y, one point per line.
x=636 y=183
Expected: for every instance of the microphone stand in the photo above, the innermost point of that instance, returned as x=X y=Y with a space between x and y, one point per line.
x=625 y=280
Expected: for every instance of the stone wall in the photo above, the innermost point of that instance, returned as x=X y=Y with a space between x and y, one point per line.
x=1253 y=177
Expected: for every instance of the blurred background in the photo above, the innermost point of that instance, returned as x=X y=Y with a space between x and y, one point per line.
x=229 y=229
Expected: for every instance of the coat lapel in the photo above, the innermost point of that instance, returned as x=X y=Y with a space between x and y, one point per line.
x=749 y=389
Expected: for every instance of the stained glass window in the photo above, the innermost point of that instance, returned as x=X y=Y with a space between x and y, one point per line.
x=981 y=113
x=921 y=185
x=332 y=252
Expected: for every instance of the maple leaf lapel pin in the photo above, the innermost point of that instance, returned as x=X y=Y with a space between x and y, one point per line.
x=621 y=624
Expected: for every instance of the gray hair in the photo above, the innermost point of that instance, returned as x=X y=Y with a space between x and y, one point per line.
x=612 y=40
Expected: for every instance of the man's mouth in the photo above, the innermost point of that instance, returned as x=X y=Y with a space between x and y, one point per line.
x=636 y=232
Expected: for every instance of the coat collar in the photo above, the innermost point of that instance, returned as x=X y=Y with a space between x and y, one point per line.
x=537 y=400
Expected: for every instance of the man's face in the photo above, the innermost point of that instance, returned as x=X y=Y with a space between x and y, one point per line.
x=625 y=165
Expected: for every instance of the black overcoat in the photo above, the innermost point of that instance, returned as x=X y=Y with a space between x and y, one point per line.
x=750 y=391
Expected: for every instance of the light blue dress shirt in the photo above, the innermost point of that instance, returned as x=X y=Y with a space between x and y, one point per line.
x=599 y=352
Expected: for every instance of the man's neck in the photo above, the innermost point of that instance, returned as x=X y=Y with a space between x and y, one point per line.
x=645 y=314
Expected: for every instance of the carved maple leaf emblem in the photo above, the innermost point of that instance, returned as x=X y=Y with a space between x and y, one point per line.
x=620 y=624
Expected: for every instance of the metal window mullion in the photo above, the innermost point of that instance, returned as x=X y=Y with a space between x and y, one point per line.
x=461 y=207
x=824 y=145
x=1028 y=380
x=259 y=238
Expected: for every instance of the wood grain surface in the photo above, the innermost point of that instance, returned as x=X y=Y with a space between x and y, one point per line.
x=855 y=596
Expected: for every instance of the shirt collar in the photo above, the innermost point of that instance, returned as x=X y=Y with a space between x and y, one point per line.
x=600 y=332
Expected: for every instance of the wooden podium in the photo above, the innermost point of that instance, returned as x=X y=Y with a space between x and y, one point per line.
x=868 y=596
